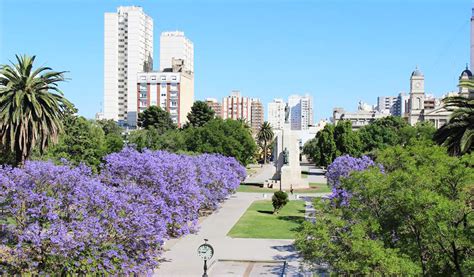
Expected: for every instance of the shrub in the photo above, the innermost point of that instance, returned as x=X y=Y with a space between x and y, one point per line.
x=279 y=200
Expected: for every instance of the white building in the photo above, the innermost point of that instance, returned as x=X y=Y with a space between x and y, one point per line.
x=176 y=45
x=364 y=115
x=387 y=104
x=301 y=111
x=173 y=91
x=128 y=49
x=276 y=113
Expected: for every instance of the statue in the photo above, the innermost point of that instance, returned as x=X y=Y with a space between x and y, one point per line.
x=287 y=113
x=285 y=156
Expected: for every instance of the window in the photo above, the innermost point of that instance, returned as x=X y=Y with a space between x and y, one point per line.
x=163 y=78
x=142 y=77
x=173 y=78
x=153 y=78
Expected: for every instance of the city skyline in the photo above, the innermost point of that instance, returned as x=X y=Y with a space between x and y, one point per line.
x=331 y=66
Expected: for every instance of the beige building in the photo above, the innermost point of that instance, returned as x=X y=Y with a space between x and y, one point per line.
x=276 y=113
x=176 y=45
x=257 y=115
x=172 y=90
x=364 y=115
x=215 y=106
x=236 y=107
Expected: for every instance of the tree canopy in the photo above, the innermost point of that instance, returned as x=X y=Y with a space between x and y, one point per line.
x=157 y=118
x=32 y=107
x=409 y=215
x=200 y=114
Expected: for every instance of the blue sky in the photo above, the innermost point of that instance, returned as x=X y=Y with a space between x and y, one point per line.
x=338 y=51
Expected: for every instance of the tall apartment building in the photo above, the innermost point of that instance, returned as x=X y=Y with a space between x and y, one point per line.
x=172 y=90
x=387 y=104
x=215 y=106
x=301 y=111
x=128 y=49
x=176 y=45
x=276 y=113
x=257 y=115
x=236 y=106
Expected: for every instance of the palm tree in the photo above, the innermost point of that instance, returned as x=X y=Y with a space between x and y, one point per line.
x=458 y=134
x=265 y=135
x=32 y=107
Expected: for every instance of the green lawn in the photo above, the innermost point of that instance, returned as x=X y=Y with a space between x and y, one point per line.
x=260 y=222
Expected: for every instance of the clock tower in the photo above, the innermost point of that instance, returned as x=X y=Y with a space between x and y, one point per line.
x=417 y=96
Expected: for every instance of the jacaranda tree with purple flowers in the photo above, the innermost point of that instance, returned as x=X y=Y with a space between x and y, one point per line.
x=58 y=220
x=341 y=168
x=412 y=217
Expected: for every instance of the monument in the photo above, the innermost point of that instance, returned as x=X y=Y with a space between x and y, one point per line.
x=287 y=157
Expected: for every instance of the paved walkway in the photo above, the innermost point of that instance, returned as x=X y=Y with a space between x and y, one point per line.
x=181 y=259
x=261 y=175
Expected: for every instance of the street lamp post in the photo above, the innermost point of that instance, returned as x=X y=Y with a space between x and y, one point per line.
x=205 y=251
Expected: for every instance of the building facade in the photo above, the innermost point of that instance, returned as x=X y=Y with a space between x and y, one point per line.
x=362 y=117
x=172 y=91
x=176 y=45
x=257 y=115
x=215 y=106
x=301 y=111
x=128 y=49
x=387 y=104
x=236 y=107
x=276 y=113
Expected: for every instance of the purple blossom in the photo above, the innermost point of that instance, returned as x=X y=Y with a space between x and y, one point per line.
x=341 y=168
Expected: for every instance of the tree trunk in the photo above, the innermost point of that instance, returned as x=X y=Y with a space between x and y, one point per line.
x=19 y=158
x=265 y=152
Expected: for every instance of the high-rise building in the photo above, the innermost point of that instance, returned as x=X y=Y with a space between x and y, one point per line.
x=387 y=104
x=128 y=49
x=301 y=111
x=257 y=115
x=215 y=106
x=276 y=113
x=172 y=90
x=236 y=107
x=176 y=45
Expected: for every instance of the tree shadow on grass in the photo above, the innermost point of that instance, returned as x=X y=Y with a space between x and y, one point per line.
x=296 y=219
x=265 y=212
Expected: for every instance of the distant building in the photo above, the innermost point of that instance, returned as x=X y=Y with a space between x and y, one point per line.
x=301 y=111
x=215 y=106
x=257 y=115
x=176 y=45
x=387 y=104
x=276 y=113
x=172 y=90
x=360 y=118
x=236 y=107
x=128 y=49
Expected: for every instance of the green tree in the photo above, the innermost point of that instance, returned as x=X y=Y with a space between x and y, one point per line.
x=200 y=114
x=110 y=127
x=327 y=145
x=279 y=200
x=227 y=137
x=347 y=141
x=157 y=118
x=32 y=107
x=381 y=133
x=413 y=218
x=422 y=131
x=265 y=136
x=83 y=141
x=458 y=134
x=311 y=150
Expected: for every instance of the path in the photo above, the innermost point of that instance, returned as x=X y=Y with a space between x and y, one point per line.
x=182 y=259
x=263 y=173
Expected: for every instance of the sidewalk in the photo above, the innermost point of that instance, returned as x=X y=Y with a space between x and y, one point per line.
x=182 y=259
